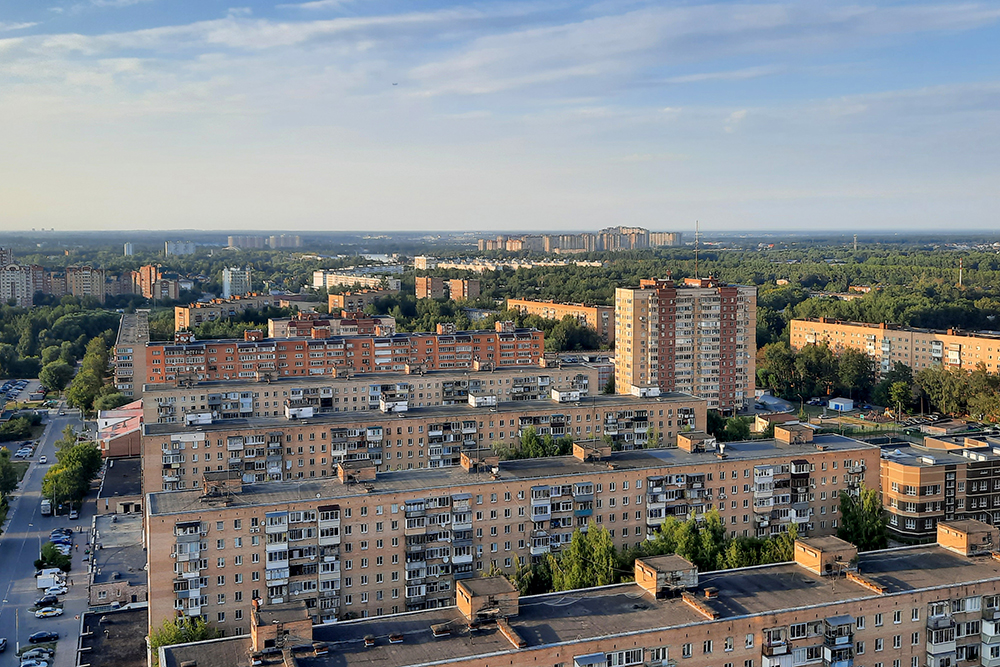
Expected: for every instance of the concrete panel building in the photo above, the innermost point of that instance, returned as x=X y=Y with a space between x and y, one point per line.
x=236 y=281
x=196 y=314
x=396 y=437
x=429 y=287
x=258 y=358
x=356 y=301
x=366 y=544
x=129 y=356
x=699 y=337
x=888 y=344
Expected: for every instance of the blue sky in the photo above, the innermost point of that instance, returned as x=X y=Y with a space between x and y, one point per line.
x=501 y=115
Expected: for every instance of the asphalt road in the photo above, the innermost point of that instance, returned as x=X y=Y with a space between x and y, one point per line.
x=26 y=530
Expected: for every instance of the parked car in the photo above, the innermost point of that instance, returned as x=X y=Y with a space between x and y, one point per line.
x=56 y=590
x=47 y=612
x=34 y=662
x=40 y=652
x=3 y=644
x=43 y=636
x=46 y=600
x=73 y=514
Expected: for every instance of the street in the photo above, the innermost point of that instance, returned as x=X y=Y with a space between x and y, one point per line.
x=24 y=533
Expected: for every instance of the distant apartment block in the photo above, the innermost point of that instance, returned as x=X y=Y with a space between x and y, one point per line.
x=314 y=325
x=255 y=357
x=6 y=256
x=429 y=287
x=432 y=287
x=85 y=281
x=178 y=248
x=699 y=337
x=888 y=344
x=17 y=285
x=285 y=241
x=196 y=314
x=665 y=239
x=356 y=301
x=259 y=242
x=327 y=279
x=463 y=289
x=236 y=281
x=599 y=318
x=623 y=238
x=129 y=250
x=424 y=263
x=129 y=358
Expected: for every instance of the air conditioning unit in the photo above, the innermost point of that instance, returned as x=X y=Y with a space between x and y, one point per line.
x=173 y=555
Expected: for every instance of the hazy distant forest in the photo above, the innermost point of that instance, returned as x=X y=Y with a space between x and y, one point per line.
x=915 y=284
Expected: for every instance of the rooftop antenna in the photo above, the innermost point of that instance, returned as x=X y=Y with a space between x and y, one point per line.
x=697 y=232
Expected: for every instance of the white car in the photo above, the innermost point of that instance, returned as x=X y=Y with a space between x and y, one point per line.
x=43 y=459
x=56 y=590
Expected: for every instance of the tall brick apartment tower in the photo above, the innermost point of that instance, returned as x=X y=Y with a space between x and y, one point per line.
x=698 y=337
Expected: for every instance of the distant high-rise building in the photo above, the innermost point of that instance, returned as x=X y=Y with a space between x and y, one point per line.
x=128 y=250
x=85 y=281
x=463 y=290
x=285 y=241
x=235 y=282
x=178 y=248
x=16 y=285
x=6 y=256
x=697 y=337
x=622 y=238
x=424 y=263
x=429 y=287
x=246 y=242
x=661 y=239
x=144 y=279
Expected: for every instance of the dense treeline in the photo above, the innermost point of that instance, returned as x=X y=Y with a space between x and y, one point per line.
x=77 y=463
x=31 y=337
x=92 y=388
x=161 y=323
x=816 y=371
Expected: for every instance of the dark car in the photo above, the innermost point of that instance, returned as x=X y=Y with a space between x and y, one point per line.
x=46 y=601
x=43 y=636
x=3 y=644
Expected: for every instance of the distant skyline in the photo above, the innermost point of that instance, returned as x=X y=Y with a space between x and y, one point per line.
x=351 y=115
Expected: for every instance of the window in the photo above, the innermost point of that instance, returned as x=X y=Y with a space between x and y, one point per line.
x=860 y=622
x=797 y=631
x=749 y=641
x=859 y=648
x=915 y=614
x=729 y=644
x=897 y=616
x=686 y=651
x=878 y=644
x=707 y=646
x=878 y=620
x=915 y=638
x=629 y=657
x=897 y=641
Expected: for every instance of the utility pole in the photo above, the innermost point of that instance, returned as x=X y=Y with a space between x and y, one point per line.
x=697 y=231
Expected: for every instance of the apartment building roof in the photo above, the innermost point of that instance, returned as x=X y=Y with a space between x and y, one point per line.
x=448 y=412
x=150 y=390
x=925 y=457
x=133 y=328
x=525 y=333
x=122 y=478
x=886 y=326
x=121 y=556
x=572 y=617
x=331 y=488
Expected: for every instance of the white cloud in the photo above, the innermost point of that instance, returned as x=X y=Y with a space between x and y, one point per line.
x=734 y=119
x=7 y=27
x=117 y=3
x=733 y=75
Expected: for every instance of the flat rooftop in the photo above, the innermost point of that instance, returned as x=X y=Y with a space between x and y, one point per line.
x=331 y=488
x=339 y=339
x=572 y=617
x=925 y=457
x=115 y=638
x=133 y=328
x=122 y=478
x=447 y=412
x=995 y=335
x=376 y=378
x=121 y=552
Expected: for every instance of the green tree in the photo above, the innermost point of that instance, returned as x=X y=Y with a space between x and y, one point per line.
x=50 y=354
x=589 y=560
x=856 y=371
x=900 y=394
x=84 y=388
x=51 y=557
x=8 y=475
x=183 y=630
x=737 y=428
x=110 y=401
x=862 y=520
x=56 y=375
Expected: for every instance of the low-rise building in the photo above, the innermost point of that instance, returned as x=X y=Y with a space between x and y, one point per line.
x=121 y=487
x=396 y=437
x=196 y=314
x=599 y=318
x=114 y=638
x=366 y=544
x=314 y=325
x=327 y=279
x=118 y=567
